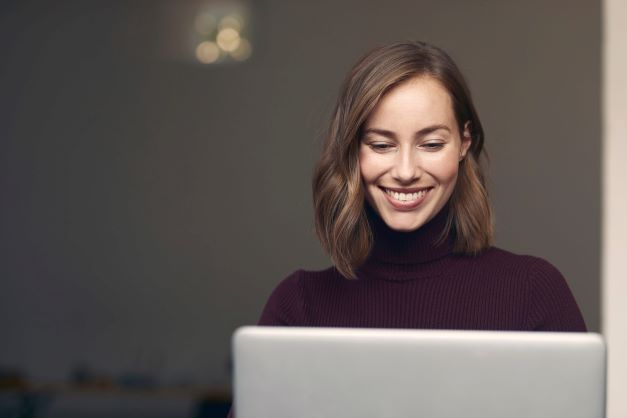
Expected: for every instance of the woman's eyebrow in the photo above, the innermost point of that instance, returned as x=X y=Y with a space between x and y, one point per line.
x=429 y=129
x=382 y=132
x=424 y=131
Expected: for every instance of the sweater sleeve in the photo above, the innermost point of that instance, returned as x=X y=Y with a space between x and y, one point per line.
x=285 y=306
x=552 y=306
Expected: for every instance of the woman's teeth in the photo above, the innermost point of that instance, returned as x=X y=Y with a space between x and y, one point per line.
x=406 y=197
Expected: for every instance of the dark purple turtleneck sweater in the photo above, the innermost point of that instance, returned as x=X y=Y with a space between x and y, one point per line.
x=411 y=281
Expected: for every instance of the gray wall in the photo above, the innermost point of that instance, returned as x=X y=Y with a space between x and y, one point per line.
x=150 y=204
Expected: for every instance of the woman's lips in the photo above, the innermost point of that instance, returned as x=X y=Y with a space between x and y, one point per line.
x=406 y=201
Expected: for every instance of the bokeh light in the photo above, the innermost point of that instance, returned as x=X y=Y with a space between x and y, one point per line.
x=221 y=34
x=228 y=39
x=243 y=51
x=234 y=22
x=207 y=52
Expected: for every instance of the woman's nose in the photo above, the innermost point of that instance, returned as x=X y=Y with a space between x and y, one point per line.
x=406 y=166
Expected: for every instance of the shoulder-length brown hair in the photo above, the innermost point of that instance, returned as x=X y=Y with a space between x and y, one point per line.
x=338 y=194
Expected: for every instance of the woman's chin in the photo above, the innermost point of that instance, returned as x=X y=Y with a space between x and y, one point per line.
x=403 y=223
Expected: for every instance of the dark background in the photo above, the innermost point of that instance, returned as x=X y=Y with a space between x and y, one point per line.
x=150 y=203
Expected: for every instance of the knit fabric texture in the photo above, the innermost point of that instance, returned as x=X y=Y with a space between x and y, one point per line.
x=413 y=280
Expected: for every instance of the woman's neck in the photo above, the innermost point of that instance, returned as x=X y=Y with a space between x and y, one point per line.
x=396 y=253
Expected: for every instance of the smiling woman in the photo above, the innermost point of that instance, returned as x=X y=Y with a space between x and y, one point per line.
x=401 y=207
x=414 y=98
x=410 y=153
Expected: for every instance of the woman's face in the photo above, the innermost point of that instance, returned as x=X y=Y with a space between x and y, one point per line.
x=410 y=152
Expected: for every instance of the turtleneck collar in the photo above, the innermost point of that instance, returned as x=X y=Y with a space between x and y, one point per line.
x=405 y=255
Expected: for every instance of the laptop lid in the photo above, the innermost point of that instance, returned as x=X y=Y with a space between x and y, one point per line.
x=283 y=372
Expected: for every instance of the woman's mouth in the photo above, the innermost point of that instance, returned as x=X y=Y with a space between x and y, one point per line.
x=407 y=199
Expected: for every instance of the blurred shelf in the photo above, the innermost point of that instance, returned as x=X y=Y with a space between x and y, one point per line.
x=207 y=393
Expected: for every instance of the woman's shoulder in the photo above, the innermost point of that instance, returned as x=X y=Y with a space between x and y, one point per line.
x=302 y=277
x=286 y=304
x=508 y=256
x=504 y=266
x=539 y=271
x=504 y=259
x=551 y=304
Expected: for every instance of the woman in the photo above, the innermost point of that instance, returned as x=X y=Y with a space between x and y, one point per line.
x=402 y=209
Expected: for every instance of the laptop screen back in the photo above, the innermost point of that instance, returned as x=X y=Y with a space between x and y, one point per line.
x=283 y=372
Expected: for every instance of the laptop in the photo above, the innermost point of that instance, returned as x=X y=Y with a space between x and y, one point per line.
x=286 y=372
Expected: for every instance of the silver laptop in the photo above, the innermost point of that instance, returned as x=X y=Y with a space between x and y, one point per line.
x=283 y=372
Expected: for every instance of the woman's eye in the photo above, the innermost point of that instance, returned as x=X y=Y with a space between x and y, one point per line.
x=432 y=146
x=380 y=146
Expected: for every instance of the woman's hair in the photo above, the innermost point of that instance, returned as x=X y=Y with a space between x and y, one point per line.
x=338 y=194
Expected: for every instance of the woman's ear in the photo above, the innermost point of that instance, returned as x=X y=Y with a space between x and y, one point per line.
x=466 y=141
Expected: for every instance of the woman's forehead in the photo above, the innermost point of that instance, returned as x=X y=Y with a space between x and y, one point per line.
x=417 y=102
